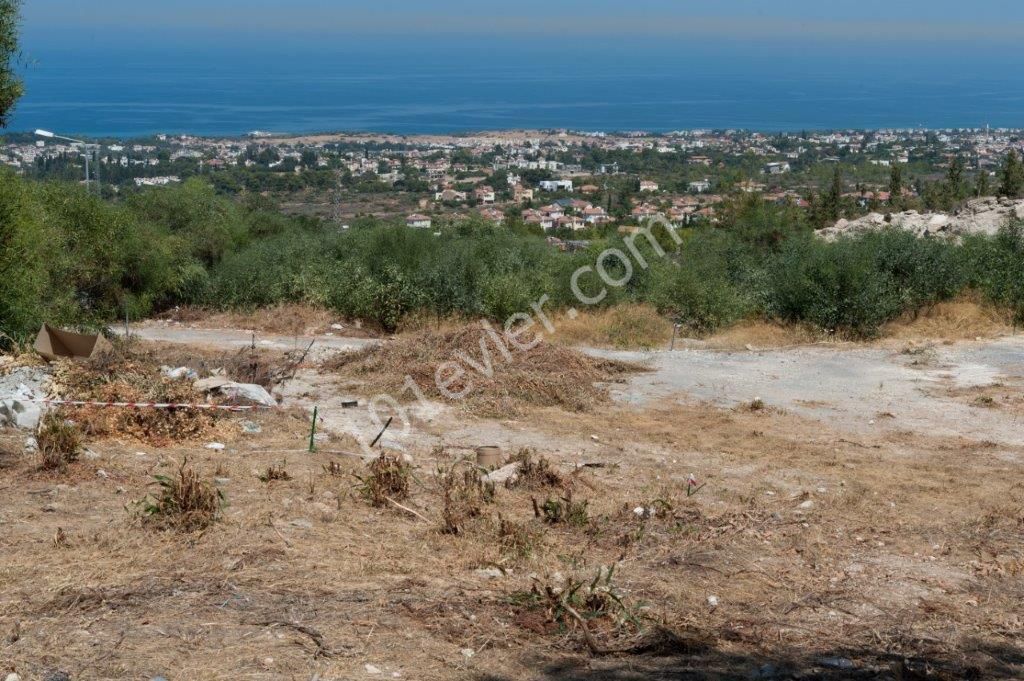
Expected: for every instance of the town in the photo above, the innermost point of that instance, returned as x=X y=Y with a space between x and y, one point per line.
x=564 y=183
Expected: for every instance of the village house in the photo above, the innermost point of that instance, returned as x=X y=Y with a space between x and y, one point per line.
x=700 y=186
x=556 y=185
x=648 y=186
x=493 y=214
x=521 y=194
x=777 y=168
x=484 y=194
x=418 y=221
x=450 y=195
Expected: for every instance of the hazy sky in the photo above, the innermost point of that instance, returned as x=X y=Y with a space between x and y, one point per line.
x=936 y=21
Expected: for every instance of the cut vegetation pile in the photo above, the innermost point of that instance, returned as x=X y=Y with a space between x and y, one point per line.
x=493 y=382
x=131 y=377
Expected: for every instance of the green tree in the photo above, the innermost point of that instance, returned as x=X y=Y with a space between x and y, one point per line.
x=1011 y=178
x=831 y=201
x=955 y=181
x=896 y=185
x=10 y=85
x=981 y=185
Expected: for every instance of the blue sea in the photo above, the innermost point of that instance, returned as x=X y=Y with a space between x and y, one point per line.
x=218 y=87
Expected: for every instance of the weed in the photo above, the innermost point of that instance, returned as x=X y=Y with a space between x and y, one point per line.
x=276 y=472
x=388 y=478
x=563 y=510
x=334 y=469
x=585 y=604
x=183 y=502
x=464 y=496
x=59 y=442
x=518 y=540
x=535 y=472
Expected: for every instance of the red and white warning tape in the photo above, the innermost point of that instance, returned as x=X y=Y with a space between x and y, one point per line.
x=145 y=405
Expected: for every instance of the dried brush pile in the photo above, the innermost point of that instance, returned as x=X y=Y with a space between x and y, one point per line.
x=498 y=379
x=131 y=376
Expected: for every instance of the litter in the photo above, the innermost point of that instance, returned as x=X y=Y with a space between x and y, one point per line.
x=179 y=373
x=216 y=446
x=52 y=344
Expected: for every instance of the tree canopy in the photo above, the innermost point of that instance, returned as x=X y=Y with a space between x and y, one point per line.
x=10 y=85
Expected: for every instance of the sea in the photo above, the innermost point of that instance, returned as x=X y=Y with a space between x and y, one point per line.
x=123 y=88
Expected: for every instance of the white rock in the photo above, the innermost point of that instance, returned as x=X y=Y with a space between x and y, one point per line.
x=713 y=601
x=806 y=505
x=467 y=652
x=12 y=677
x=370 y=669
x=216 y=446
x=489 y=573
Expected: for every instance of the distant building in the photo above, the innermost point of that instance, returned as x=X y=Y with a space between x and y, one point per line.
x=700 y=186
x=776 y=168
x=648 y=186
x=556 y=185
x=484 y=194
x=418 y=221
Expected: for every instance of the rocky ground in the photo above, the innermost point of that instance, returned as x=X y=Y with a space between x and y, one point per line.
x=980 y=216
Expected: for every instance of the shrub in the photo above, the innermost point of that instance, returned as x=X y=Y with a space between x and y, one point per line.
x=59 y=442
x=463 y=496
x=387 y=480
x=183 y=502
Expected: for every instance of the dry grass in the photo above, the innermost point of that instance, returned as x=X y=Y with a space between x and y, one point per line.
x=624 y=327
x=287 y=320
x=761 y=334
x=962 y=319
x=59 y=442
x=544 y=376
x=907 y=562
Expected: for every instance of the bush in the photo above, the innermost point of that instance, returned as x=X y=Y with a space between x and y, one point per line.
x=59 y=442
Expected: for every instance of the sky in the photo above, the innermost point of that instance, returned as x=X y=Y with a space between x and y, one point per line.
x=981 y=22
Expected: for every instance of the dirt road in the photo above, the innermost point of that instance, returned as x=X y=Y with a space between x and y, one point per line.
x=932 y=389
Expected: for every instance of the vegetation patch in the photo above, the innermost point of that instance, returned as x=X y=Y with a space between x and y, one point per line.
x=183 y=502
x=59 y=441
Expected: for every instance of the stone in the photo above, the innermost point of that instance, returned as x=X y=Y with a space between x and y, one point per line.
x=371 y=669
x=251 y=428
x=843 y=663
x=237 y=393
x=12 y=677
x=504 y=474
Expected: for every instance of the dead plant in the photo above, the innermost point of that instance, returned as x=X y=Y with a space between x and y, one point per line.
x=387 y=480
x=535 y=472
x=464 y=495
x=276 y=472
